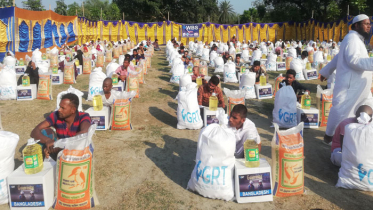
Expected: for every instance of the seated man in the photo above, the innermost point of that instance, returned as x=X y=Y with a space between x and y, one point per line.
x=206 y=90
x=297 y=87
x=67 y=122
x=181 y=51
x=337 y=142
x=135 y=56
x=256 y=68
x=141 y=50
x=122 y=71
x=243 y=128
x=196 y=74
x=238 y=61
x=108 y=95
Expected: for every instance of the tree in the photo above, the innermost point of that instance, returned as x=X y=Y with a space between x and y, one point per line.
x=361 y=5
x=34 y=5
x=61 y=7
x=73 y=8
x=226 y=12
x=250 y=15
x=6 y=3
x=333 y=11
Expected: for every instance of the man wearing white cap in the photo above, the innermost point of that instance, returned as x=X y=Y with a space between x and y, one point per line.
x=353 y=76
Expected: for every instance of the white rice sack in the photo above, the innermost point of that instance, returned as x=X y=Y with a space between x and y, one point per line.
x=36 y=55
x=318 y=57
x=96 y=78
x=292 y=53
x=10 y=61
x=213 y=55
x=111 y=68
x=177 y=72
x=245 y=56
x=271 y=62
x=185 y=80
x=188 y=112
x=247 y=83
x=8 y=84
x=205 y=54
x=219 y=65
x=297 y=65
x=230 y=72
x=257 y=55
x=285 y=107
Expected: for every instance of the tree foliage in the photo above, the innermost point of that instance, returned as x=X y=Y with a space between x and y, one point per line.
x=6 y=3
x=92 y=10
x=61 y=7
x=74 y=9
x=226 y=12
x=34 y=5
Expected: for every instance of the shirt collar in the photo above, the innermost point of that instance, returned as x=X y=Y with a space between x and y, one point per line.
x=359 y=35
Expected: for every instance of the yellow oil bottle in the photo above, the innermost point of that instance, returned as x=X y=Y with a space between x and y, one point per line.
x=114 y=77
x=25 y=80
x=306 y=101
x=328 y=58
x=279 y=59
x=32 y=157
x=263 y=80
x=242 y=69
x=251 y=153
x=77 y=63
x=21 y=62
x=55 y=69
x=44 y=56
x=264 y=56
x=308 y=66
x=190 y=69
x=213 y=102
x=97 y=103
x=199 y=81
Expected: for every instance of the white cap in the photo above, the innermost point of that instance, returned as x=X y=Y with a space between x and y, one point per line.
x=359 y=18
x=331 y=40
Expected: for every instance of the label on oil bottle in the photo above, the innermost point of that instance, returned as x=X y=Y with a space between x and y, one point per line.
x=307 y=102
x=252 y=154
x=31 y=161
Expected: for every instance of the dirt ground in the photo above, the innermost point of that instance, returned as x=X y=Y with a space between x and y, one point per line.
x=149 y=166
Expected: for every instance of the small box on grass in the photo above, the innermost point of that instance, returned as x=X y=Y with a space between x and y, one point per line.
x=119 y=87
x=209 y=117
x=26 y=92
x=34 y=190
x=57 y=79
x=253 y=184
x=310 y=117
x=310 y=74
x=101 y=118
x=263 y=92
x=280 y=66
x=20 y=70
x=79 y=69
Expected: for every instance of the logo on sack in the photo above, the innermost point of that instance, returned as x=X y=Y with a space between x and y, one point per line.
x=287 y=117
x=193 y=117
x=211 y=173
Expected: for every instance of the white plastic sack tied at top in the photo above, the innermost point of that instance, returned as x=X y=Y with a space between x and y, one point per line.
x=213 y=55
x=212 y=176
x=219 y=65
x=271 y=62
x=245 y=55
x=176 y=61
x=257 y=55
x=177 y=72
x=8 y=144
x=297 y=65
x=75 y=187
x=247 y=82
x=318 y=57
x=285 y=107
x=205 y=54
x=184 y=81
x=96 y=79
x=199 y=49
x=188 y=111
x=71 y=90
x=8 y=84
x=10 y=62
x=230 y=72
x=292 y=53
x=111 y=68
x=357 y=156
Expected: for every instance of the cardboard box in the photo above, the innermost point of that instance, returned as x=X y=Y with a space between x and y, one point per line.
x=119 y=87
x=209 y=117
x=311 y=74
x=284 y=55
x=57 y=79
x=263 y=92
x=280 y=66
x=26 y=92
x=310 y=117
x=20 y=70
x=243 y=177
x=79 y=69
x=101 y=118
x=42 y=183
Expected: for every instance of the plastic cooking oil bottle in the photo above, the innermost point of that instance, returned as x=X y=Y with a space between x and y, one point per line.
x=213 y=102
x=32 y=157
x=190 y=69
x=308 y=66
x=263 y=80
x=306 y=101
x=55 y=69
x=21 y=63
x=279 y=59
x=25 y=80
x=251 y=153
x=114 y=77
x=97 y=103
x=199 y=81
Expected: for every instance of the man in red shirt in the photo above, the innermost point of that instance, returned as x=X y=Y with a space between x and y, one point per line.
x=67 y=122
x=206 y=90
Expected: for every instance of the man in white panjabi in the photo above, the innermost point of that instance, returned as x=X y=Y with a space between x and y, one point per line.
x=353 y=75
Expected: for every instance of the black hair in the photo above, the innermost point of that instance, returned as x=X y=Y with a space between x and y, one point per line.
x=238 y=56
x=156 y=40
x=240 y=109
x=74 y=100
x=135 y=50
x=108 y=78
x=215 y=80
x=291 y=71
x=305 y=53
x=256 y=63
x=127 y=59
x=127 y=56
x=182 y=48
x=141 y=44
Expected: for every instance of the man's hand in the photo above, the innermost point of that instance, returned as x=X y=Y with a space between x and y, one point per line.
x=46 y=153
x=49 y=145
x=122 y=77
x=322 y=78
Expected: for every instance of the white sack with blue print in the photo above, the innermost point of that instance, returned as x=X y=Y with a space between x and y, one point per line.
x=285 y=109
x=188 y=111
x=212 y=177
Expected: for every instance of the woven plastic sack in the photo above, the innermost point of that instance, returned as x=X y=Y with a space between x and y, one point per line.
x=45 y=87
x=109 y=56
x=69 y=73
x=100 y=59
x=132 y=83
x=121 y=111
x=325 y=97
x=87 y=66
